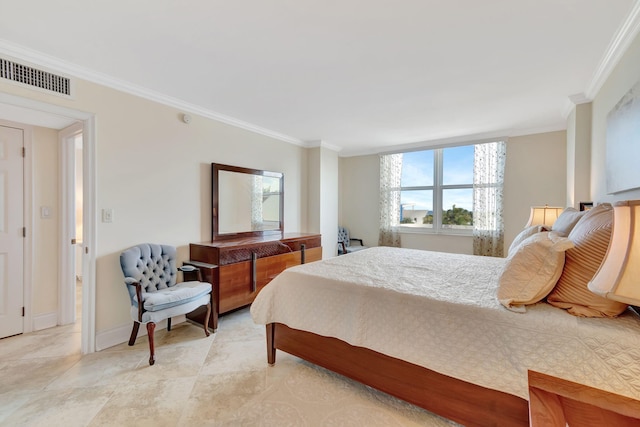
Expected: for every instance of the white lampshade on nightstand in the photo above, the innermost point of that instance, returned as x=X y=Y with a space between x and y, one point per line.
x=618 y=277
x=543 y=215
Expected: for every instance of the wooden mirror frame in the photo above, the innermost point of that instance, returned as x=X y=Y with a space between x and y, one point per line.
x=215 y=202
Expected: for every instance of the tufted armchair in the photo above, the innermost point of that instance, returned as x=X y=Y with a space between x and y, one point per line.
x=344 y=242
x=150 y=276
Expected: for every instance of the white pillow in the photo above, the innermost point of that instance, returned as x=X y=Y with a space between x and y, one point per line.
x=524 y=235
x=567 y=220
x=532 y=270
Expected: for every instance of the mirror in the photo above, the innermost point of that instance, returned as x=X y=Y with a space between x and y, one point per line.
x=245 y=202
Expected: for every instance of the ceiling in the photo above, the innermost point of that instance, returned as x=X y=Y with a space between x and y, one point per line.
x=359 y=76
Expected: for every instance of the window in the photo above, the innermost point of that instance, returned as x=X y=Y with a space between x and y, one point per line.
x=436 y=189
x=455 y=190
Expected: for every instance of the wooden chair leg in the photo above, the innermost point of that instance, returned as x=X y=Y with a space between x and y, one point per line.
x=206 y=320
x=134 y=333
x=168 y=323
x=152 y=351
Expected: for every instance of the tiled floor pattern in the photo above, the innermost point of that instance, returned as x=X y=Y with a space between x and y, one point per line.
x=222 y=380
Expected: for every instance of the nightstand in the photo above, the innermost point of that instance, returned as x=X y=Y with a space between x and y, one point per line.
x=557 y=402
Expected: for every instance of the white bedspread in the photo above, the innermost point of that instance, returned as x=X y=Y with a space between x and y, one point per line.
x=440 y=311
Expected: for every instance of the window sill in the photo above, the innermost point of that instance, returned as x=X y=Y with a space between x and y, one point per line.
x=442 y=232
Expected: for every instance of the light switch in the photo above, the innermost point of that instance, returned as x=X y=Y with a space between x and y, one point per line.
x=45 y=212
x=107 y=215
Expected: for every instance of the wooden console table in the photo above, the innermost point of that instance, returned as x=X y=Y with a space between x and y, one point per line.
x=238 y=268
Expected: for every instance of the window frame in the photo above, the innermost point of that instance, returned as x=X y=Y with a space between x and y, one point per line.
x=437 y=190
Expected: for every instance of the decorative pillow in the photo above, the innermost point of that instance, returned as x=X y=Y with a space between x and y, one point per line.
x=532 y=270
x=591 y=237
x=524 y=235
x=567 y=220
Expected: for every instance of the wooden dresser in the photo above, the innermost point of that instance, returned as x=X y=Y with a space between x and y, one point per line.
x=239 y=267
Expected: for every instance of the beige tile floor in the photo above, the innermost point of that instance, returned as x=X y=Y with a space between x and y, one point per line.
x=222 y=380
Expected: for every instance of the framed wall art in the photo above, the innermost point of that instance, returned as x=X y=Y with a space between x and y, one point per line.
x=623 y=143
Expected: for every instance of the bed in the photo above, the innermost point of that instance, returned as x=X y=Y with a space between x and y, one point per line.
x=427 y=327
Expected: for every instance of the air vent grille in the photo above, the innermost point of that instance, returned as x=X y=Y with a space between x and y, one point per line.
x=33 y=77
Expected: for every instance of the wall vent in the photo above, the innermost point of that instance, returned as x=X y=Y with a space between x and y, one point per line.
x=34 y=77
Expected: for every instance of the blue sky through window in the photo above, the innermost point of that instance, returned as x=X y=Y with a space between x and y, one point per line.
x=417 y=170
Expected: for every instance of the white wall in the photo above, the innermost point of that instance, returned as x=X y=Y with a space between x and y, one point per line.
x=579 y=155
x=625 y=75
x=360 y=197
x=323 y=202
x=45 y=233
x=535 y=175
x=154 y=171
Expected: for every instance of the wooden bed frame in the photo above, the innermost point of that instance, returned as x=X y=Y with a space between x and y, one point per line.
x=451 y=398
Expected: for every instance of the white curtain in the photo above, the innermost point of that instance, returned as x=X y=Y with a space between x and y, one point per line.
x=390 y=174
x=256 y=204
x=488 y=183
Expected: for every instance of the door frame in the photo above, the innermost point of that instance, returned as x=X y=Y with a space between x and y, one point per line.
x=67 y=272
x=89 y=223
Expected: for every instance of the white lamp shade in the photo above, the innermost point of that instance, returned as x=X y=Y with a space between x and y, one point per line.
x=618 y=277
x=544 y=215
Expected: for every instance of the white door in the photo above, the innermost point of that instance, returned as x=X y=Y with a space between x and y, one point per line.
x=11 y=231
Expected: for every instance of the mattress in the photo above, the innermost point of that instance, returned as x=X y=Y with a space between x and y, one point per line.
x=439 y=311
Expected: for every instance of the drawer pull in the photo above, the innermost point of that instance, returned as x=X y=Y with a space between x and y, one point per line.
x=254 y=279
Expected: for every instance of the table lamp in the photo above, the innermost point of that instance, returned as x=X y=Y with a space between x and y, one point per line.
x=543 y=215
x=618 y=277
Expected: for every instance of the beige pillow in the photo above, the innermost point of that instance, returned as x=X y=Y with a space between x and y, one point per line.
x=532 y=270
x=591 y=237
x=567 y=220
x=524 y=235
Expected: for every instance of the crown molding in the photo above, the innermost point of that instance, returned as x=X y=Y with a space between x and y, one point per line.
x=579 y=98
x=503 y=134
x=572 y=101
x=55 y=64
x=618 y=46
x=320 y=143
x=616 y=49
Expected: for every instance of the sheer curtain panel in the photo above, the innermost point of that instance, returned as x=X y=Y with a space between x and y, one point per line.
x=390 y=174
x=488 y=183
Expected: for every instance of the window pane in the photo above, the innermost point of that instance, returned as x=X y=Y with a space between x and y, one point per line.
x=457 y=209
x=457 y=165
x=417 y=169
x=417 y=208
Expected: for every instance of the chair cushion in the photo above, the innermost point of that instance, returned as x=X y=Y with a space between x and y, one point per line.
x=355 y=248
x=158 y=316
x=181 y=293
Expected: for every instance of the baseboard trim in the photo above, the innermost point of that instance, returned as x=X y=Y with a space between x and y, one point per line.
x=121 y=334
x=44 y=321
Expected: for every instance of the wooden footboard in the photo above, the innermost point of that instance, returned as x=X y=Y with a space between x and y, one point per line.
x=448 y=397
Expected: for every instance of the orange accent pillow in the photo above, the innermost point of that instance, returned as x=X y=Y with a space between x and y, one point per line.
x=591 y=236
